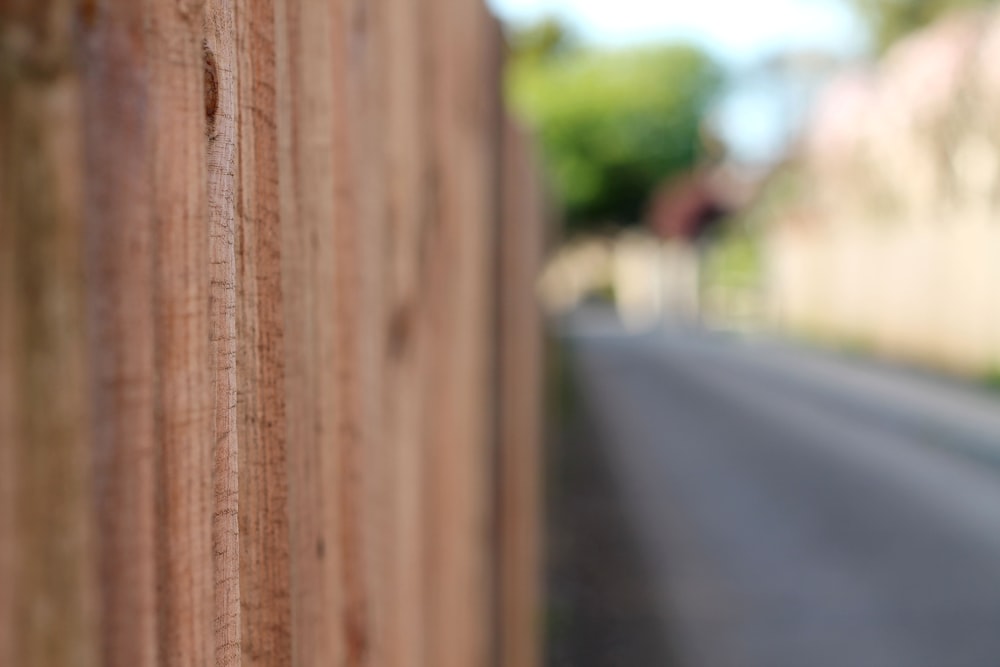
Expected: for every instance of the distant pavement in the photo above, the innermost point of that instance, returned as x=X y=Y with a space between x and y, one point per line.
x=796 y=509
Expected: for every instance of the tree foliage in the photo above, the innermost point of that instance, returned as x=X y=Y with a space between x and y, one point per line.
x=889 y=20
x=612 y=124
x=542 y=40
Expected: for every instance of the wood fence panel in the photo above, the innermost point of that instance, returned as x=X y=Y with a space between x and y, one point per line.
x=353 y=309
x=265 y=575
x=408 y=212
x=520 y=420
x=47 y=587
x=266 y=337
x=221 y=94
x=309 y=284
x=458 y=270
x=120 y=286
x=10 y=440
x=185 y=403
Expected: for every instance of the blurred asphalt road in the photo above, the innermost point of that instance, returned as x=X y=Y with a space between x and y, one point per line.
x=796 y=509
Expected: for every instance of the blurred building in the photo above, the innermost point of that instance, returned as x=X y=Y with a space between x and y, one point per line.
x=687 y=208
x=887 y=230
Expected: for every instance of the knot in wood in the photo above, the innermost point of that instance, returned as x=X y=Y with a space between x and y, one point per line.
x=211 y=83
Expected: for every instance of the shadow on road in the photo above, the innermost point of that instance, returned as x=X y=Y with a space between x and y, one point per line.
x=601 y=611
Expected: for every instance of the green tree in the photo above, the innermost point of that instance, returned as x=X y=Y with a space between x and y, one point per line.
x=612 y=124
x=542 y=40
x=889 y=20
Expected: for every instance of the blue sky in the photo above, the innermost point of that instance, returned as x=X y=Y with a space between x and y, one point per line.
x=758 y=116
x=736 y=30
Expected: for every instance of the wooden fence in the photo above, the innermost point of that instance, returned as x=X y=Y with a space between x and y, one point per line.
x=268 y=348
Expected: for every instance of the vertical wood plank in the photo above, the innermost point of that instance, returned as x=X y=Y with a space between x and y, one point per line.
x=357 y=306
x=519 y=423
x=368 y=108
x=120 y=303
x=458 y=519
x=9 y=404
x=408 y=208
x=47 y=589
x=305 y=46
x=222 y=120
x=184 y=397
x=264 y=521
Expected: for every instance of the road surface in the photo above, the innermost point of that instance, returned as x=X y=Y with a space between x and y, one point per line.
x=795 y=509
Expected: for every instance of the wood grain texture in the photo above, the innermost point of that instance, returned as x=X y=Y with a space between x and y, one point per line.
x=458 y=269
x=262 y=343
x=519 y=404
x=368 y=95
x=265 y=577
x=222 y=124
x=120 y=281
x=306 y=56
x=356 y=307
x=185 y=403
x=407 y=219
